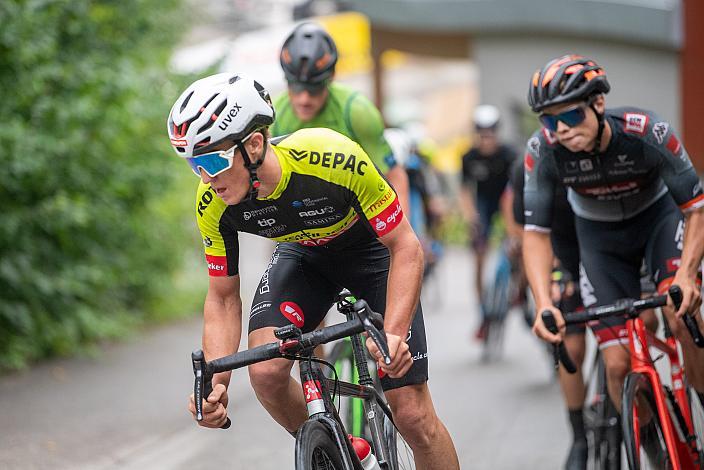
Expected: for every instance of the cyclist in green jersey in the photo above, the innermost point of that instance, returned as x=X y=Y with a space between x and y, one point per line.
x=313 y=99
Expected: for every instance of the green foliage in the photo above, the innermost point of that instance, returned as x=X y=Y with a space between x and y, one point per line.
x=87 y=237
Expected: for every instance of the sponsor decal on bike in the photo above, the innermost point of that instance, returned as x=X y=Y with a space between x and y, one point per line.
x=217 y=265
x=635 y=123
x=660 y=130
x=673 y=264
x=292 y=312
x=311 y=391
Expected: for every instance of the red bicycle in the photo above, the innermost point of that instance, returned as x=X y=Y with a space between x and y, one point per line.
x=662 y=423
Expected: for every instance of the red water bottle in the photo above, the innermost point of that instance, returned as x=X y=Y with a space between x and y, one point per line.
x=364 y=452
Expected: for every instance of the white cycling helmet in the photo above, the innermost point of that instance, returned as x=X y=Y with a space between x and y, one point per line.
x=486 y=116
x=222 y=107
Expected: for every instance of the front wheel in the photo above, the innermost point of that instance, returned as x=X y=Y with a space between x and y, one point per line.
x=643 y=435
x=400 y=453
x=316 y=449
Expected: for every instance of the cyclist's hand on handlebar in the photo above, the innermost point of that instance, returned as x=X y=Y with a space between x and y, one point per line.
x=691 y=294
x=214 y=408
x=541 y=331
x=401 y=359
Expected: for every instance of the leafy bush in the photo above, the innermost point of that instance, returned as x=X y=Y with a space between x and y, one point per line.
x=86 y=236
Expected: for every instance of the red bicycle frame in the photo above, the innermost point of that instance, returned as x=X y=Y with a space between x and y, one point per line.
x=684 y=454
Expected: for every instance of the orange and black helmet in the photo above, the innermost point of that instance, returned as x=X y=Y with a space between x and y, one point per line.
x=308 y=55
x=566 y=79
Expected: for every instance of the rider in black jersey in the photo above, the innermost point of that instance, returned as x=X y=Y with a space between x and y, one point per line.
x=618 y=166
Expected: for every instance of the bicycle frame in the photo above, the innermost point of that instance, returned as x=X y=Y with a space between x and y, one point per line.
x=641 y=362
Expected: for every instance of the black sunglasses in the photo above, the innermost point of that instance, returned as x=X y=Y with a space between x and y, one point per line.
x=314 y=89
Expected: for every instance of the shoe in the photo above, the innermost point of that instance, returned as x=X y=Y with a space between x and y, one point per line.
x=577 y=458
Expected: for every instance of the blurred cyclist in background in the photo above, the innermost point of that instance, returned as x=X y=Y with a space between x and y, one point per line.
x=308 y=58
x=485 y=172
x=424 y=192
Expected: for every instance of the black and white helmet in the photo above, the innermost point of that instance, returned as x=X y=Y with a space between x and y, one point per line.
x=222 y=107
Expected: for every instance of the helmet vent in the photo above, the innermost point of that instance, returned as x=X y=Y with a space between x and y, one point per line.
x=233 y=79
x=213 y=117
x=185 y=102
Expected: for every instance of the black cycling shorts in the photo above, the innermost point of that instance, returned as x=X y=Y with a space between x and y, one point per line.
x=612 y=254
x=301 y=283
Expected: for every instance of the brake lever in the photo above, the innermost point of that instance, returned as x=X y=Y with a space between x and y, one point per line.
x=365 y=315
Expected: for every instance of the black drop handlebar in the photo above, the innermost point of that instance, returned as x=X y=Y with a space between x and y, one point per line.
x=292 y=343
x=629 y=307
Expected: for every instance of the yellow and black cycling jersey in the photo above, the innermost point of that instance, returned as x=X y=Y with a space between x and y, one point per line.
x=330 y=194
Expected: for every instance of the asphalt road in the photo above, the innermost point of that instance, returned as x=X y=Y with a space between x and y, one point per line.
x=126 y=408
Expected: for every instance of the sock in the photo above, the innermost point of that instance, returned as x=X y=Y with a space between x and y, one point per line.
x=577 y=423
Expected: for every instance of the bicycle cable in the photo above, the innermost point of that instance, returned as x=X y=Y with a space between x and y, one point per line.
x=311 y=359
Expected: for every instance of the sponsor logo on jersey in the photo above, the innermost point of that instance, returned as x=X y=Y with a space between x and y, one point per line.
x=309 y=202
x=381 y=202
x=679 y=235
x=571 y=166
x=635 y=123
x=292 y=312
x=659 y=131
x=623 y=160
x=273 y=231
x=534 y=144
x=381 y=186
x=207 y=242
x=231 y=114
x=257 y=212
x=316 y=212
x=217 y=265
x=331 y=160
x=388 y=219
x=266 y=222
x=205 y=199
x=586 y=165
x=528 y=162
x=324 y=221
x=673 y=145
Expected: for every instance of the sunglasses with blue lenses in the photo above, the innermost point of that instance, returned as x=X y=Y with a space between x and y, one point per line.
x=212 y=163
x=572 y=117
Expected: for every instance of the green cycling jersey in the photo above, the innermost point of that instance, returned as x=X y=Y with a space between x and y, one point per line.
x=347 y=112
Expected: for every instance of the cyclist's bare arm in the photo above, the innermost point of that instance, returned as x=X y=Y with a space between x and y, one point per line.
x=467 y=204
x=222 y=321
x=690 y=262
x=537 y=260
x=404 y=282
x=398 y=178
x=513 y=229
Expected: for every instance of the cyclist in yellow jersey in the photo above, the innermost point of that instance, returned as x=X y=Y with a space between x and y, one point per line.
x=313 y=99
x=339 y=225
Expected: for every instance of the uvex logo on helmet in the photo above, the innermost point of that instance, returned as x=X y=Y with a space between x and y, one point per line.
x=232 y=113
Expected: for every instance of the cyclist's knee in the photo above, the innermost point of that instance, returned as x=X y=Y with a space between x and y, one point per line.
x=617 y=366
x=415 y=416
x=270 y=376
